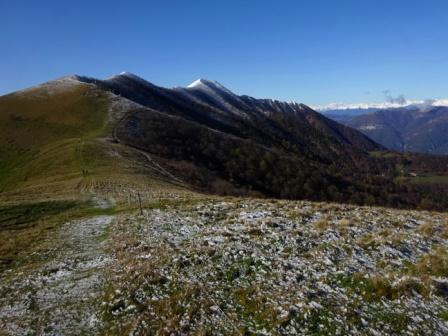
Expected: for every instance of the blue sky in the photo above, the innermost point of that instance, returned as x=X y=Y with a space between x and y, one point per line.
x=312 y=51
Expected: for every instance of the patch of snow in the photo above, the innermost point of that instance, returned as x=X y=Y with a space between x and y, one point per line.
x=369 y=127
x=195 y=83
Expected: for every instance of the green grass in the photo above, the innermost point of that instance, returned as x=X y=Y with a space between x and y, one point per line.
x=431 y=179
x=44 y=135
x=24 y=226
x=376 y=288
x=47 y=142
x=396 y=322
x=20 y=216
x=53 y=157
x=444 y=315
x=52 y=146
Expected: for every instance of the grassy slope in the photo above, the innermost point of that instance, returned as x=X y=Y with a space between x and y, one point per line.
x=54 y=161
x=42 y=140
x=430 y=179
x=41 y=136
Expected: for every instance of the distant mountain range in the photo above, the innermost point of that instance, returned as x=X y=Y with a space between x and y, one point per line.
x=203 y=137
x=392 y=103
x=414 y=128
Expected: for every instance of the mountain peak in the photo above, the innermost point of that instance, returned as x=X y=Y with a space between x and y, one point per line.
x=124 y=78
x=71 y=76
x=126 y=74
x=206 y=84
x=410 y=104
x=197 y=83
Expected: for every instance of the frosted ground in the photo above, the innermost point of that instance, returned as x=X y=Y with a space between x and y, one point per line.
x=279 y=267
x=236 y=266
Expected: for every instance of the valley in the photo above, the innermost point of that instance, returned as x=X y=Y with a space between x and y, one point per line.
x=419 y=128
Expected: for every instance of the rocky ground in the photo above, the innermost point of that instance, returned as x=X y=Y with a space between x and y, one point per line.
x=278 y=267
x=237 y=266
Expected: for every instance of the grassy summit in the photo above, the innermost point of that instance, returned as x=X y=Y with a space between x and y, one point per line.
x=42 y=136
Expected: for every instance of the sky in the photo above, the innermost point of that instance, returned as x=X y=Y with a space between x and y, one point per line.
x=311 y=51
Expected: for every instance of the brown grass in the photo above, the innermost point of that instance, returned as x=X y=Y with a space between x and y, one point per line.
x=434 y=263
x=378 y=287
x=445 y=230
x=345 y=222
x=321 y=224
x=367 y=241
x=427 y=229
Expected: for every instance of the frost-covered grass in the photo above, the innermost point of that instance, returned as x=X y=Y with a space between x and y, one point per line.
x=192 y=264
x=57 y=294
x=236 y=266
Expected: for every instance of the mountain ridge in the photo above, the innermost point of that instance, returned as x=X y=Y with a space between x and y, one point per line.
x=242 y=103
x=213 y=141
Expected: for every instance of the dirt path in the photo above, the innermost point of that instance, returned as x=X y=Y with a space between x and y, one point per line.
x=157 y=167
x=61 y=295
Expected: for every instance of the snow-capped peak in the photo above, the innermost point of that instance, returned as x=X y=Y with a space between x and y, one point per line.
x=201 y=81
x=216 y=93
x=196 y=83
x=206 y=84
x=385 y=105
